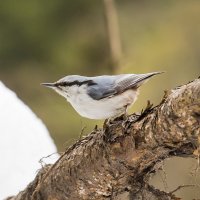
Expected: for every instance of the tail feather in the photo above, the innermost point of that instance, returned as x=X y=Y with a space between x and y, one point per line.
x=144 y=78
x=134 y=81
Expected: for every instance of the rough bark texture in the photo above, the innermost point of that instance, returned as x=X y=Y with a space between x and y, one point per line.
x=118 y=159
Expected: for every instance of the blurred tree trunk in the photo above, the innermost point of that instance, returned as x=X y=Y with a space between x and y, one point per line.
x=116 y=162
x=113 y=33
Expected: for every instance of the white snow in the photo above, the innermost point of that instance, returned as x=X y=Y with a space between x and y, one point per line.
x=24 y=140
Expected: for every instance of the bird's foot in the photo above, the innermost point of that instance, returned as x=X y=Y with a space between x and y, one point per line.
x=106 y=123
x=110 y=121
x=120 y=119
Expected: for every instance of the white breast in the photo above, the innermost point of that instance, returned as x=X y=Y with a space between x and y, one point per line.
x=100 y=109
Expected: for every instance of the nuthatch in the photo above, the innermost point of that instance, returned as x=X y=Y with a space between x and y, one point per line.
x=100 y=97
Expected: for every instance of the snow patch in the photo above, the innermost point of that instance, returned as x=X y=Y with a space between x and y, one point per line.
x=24 y=140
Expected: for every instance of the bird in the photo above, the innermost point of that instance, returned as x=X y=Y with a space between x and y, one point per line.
x=101 y=97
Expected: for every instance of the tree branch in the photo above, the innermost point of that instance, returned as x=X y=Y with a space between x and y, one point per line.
x=120 y=157
x=113 y=33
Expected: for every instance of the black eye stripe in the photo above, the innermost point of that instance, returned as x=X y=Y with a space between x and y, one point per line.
x=78 y=83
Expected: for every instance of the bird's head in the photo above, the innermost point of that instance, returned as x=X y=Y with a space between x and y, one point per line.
x=68 y=85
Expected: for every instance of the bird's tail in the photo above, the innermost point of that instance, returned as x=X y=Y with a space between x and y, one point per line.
x=134 y=81
x=143 y=78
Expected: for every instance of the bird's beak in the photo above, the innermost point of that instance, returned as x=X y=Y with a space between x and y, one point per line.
x=50 y=85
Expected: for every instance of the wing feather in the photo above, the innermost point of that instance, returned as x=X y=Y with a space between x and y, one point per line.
x=104 y=87
x=108 y=86
x=133 y=81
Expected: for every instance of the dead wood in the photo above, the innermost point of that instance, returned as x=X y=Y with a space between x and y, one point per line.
x=118 y=159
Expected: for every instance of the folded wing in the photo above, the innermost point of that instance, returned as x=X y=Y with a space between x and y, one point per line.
x=108 y=86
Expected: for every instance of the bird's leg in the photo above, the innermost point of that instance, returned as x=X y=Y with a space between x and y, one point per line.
x=106 y=123
x=109 y=120
x=123 y=117
x=125 y=114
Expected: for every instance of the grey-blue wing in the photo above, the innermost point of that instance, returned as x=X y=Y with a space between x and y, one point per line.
x=103 y=87
x=107 y=86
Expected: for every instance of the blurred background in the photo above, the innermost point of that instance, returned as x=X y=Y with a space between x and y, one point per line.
x=43 y=41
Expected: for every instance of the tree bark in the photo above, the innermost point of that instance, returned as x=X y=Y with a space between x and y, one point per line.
x=118 y=159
